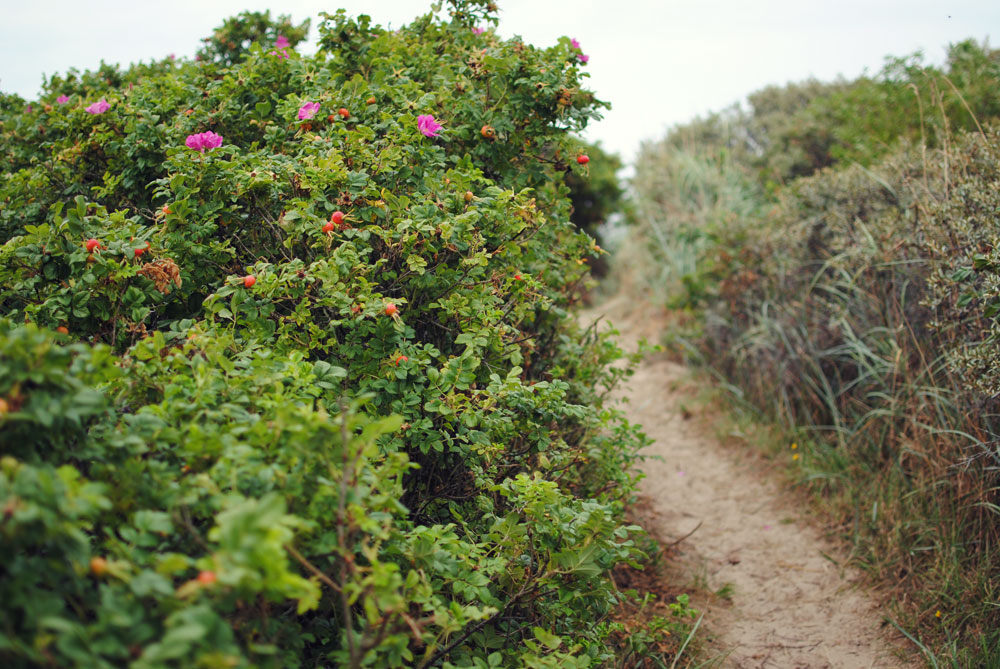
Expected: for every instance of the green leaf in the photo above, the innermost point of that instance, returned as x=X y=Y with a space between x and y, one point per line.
x=552 y=641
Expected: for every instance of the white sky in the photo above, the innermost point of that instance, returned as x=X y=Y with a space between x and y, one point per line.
x=658 y=63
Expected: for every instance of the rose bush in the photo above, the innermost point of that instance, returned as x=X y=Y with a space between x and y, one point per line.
x=319 y=400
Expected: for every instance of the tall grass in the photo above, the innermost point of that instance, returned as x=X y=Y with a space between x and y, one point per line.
x=688 y=205
x=858 y=309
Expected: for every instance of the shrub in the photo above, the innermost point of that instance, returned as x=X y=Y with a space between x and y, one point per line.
x=792 y=131
x=270 y=434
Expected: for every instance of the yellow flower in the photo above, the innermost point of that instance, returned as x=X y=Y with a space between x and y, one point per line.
x=794 y=446
x=937 y=614
x=795 y=457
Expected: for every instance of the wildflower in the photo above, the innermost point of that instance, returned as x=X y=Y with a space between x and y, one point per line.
x=583 y=58
x=937 y=614
x=203 y=141
x=308 y=110
x=795 y=457
x=98 y=107
x=212 y=140
x=172 y=56
x=28 y=109
x=478 y=31
x=62 y=99
x=794 y=446
x=282 y=42
x=575 y=43
x=427 y=125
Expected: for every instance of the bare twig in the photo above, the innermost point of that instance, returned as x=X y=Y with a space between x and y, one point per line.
x=312 y=568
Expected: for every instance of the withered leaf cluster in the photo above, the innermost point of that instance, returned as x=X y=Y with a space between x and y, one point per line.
x=162 y=272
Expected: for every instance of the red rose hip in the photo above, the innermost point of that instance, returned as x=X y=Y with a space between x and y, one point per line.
x=98 y=566
x=249 y=280
x=583 y=159
x=391 y=309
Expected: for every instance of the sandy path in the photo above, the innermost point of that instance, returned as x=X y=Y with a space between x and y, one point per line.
x=790 y=606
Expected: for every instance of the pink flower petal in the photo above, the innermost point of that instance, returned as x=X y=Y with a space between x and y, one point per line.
x=98 y=107
x=203 y=141
x=427 y=125
x=308 y=110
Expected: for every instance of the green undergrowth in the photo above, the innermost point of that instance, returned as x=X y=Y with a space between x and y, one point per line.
x=837 y=272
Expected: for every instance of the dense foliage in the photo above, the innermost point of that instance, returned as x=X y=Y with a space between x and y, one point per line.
x=835 y=247
x=312 y=397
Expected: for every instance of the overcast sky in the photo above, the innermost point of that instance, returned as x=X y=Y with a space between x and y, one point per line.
x=659 y=62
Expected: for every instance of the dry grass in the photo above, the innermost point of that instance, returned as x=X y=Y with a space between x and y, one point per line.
x=837 y=316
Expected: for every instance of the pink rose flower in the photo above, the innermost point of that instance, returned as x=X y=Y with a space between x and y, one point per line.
x=62 y=99
x=282 y=42
x=583 y=58
x=478 y=31
x=575 y=43
x=427 y=125
x=308 y=110
x=203 y=141
x=98 y=107
x=28 y=109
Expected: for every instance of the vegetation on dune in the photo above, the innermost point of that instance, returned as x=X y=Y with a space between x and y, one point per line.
x=287 y=376
x=835 y=247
